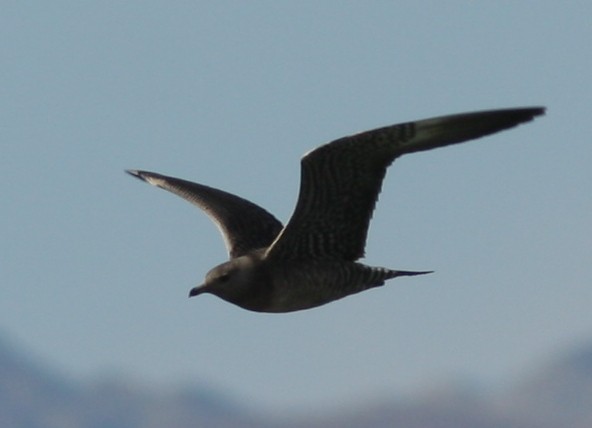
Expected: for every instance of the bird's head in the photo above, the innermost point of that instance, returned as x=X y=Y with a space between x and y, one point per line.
x=231 y=281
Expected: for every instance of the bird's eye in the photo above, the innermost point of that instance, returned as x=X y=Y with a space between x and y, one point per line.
x=224 y=278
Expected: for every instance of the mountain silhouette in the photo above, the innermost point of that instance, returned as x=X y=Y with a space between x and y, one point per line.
x=32 y=395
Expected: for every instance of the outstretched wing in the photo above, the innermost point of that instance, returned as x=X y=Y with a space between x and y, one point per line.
x=244 y=225
x=340 y=181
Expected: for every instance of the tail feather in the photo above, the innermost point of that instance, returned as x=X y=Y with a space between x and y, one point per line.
x=378 y=274
x=395 y=273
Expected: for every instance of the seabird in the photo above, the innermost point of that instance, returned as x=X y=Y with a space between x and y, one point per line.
x=313 y=259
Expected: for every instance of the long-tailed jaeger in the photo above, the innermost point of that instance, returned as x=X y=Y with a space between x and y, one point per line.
x=312 y=260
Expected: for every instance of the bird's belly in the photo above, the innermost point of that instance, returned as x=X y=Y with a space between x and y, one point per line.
x=308 y=286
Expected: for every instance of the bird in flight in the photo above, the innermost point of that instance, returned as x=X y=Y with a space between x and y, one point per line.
x=312 y=260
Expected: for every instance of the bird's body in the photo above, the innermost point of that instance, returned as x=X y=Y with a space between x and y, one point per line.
x=313 y=259
x=265 y=286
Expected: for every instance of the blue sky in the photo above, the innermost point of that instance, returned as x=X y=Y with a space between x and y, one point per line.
x=95 y=266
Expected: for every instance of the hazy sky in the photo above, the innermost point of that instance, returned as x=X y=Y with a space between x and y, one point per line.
x=96 y=266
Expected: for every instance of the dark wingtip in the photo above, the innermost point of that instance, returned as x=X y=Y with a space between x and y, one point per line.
x=135 y=173
x=534 y=111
